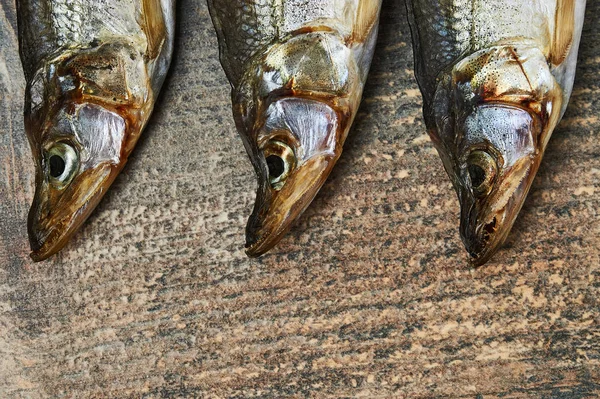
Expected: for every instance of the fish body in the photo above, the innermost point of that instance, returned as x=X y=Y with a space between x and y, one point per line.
x=93 y=69
x=297 y=70
x=496 y=78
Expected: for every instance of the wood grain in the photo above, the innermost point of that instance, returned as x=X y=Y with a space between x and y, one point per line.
x=369 y=295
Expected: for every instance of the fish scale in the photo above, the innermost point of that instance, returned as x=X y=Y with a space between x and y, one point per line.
x=67 y=18
x=77 y=22
x=257 y=22
x=460 y=27
x=262 y=22
x=61 y=24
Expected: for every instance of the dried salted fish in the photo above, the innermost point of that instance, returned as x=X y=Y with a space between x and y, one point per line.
x=297 y=69
x=496 y=77
x=94 y=69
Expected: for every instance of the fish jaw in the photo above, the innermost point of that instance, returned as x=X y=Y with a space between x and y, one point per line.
x=54 y=218
x=275 y=211
x=486 y=223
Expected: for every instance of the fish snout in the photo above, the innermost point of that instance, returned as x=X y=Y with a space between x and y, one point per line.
x=43 y=236
x=297 y=146
x=56 y=214
x=483 y=233
x=498 y=158
x=276 y=209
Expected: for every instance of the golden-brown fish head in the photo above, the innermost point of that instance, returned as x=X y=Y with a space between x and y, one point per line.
x=293 y=109
x=298 y=146
x=78 y=153
x=84 y=112
x=497 y=162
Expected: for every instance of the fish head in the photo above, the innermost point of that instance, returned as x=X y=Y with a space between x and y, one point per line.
x=497 y=163
x=81 y=132
x=76 y=161
x=491 y=134
x=298 y=146
x=294 y=115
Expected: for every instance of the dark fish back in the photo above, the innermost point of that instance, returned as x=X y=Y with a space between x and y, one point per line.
x=437 y=26
x=37 y=38
x=259 y=29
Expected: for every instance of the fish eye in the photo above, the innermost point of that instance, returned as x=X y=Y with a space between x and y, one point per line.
x=62 y=163
x=281 y=160
x=482 y=169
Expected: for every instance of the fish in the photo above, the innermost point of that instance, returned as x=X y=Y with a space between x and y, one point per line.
x=496 y=78
x=93 y=71
x=297 y=70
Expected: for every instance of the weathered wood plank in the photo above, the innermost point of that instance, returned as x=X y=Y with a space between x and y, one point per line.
x=370 y=294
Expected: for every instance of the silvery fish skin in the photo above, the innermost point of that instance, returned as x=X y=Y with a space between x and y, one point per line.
x=93 y=69
x=496 y=77
x=297 y=70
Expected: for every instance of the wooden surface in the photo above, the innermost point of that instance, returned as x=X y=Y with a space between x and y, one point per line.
x=369 y=295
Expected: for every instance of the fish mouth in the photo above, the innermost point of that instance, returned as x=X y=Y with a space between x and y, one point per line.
x=483 y=239
x=486 y=224
x=55 y=217
x=275 y=211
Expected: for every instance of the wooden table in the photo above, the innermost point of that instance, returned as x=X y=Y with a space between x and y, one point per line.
x=369 y=295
